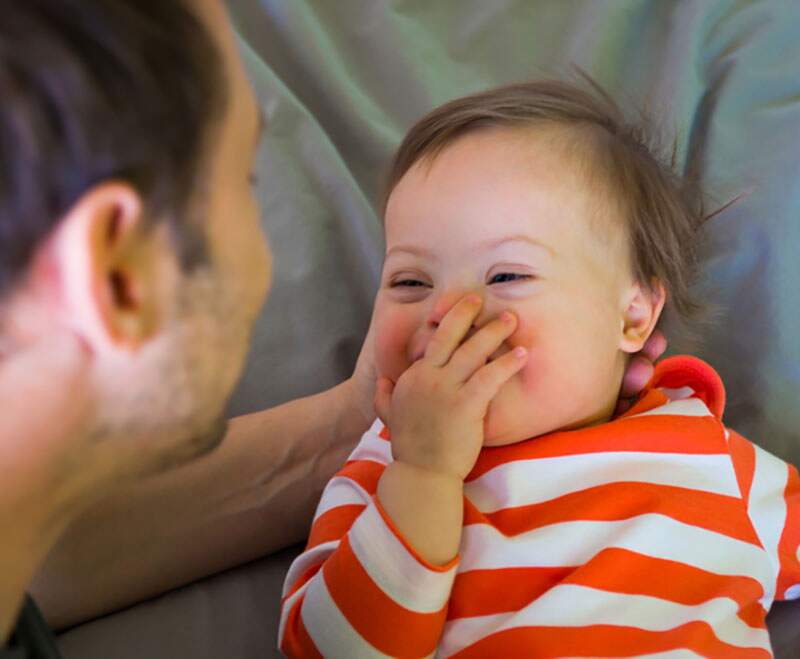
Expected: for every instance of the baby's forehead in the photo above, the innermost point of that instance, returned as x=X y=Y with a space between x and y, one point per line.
x=560 y=164
x=565 y=154
x=583 y=152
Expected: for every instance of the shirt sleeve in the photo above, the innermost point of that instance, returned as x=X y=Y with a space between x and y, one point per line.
x=359 y=589
x=31 y=637
x=771 y=490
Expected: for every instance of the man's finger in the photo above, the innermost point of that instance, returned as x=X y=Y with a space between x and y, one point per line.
x=623 y=405
x=655 y=346
x=452 y=330
x=637 y=375
x=383 y=399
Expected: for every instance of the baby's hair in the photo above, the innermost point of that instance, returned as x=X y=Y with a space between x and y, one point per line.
x=663 y=212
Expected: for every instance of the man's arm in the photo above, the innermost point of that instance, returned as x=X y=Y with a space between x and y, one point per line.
x=31 y=530
x=255 y=494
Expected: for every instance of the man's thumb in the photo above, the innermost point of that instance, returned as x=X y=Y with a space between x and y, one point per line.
x=383 y=399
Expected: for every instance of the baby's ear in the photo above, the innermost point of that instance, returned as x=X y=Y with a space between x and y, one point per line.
x=642 y=309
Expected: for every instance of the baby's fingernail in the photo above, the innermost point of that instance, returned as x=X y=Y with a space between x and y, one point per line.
x=520 y=352
x=507 y=317
x=474 y=299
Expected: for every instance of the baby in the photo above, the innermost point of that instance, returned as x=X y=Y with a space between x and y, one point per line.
x=499 y=508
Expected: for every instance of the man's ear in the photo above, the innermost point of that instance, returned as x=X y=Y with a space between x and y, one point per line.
x=642 y=309
x=110 y=268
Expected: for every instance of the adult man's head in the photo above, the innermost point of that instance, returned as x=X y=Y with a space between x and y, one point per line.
x=127 y=138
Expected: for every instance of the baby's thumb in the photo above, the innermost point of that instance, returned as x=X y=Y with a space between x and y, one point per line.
x=383 y=399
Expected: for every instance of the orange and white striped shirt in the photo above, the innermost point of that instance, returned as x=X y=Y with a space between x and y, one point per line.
x=660 y=534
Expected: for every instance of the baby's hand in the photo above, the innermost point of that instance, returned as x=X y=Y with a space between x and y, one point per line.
x=436 y=409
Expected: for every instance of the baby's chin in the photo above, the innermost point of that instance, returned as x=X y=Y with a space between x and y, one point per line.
x=498 y=434
x=501 y=427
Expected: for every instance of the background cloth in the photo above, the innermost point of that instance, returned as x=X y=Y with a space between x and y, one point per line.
x=341 y=81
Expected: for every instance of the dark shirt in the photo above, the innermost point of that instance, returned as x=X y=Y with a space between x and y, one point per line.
x=31 y=638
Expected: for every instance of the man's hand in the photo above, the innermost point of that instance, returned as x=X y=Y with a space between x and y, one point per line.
x=436 y=409
x=640 y=370
x=361 y=385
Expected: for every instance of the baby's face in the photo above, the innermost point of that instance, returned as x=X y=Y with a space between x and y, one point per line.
x=508 y=215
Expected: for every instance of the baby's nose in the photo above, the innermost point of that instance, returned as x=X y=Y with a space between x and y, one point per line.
x=442 y=307
x=421 y=348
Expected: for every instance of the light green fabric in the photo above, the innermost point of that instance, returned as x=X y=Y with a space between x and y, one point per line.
x=342 y=81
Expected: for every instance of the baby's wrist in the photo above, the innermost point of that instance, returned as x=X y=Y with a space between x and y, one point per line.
x=426 y=508
x=428 y=473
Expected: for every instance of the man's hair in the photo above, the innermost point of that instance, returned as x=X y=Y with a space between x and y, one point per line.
x=662 y=213
x=95 y=90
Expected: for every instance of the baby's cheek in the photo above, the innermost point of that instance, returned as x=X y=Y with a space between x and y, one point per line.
x=394 y=331
x=527 y=336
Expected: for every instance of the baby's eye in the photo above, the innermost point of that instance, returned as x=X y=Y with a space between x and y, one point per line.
x=411 y=283
x=504 y=277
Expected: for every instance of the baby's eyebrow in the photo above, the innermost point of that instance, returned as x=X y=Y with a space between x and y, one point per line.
x=494 y=243
x=413 y=250
x=519 y=238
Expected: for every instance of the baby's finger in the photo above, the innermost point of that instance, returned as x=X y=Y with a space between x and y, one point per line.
x=486 y=382
x=473 y=353
x=452 y=330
